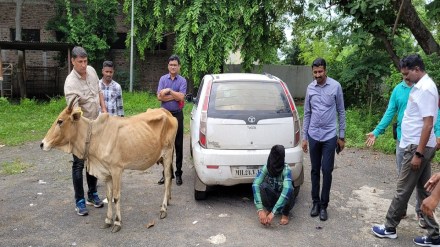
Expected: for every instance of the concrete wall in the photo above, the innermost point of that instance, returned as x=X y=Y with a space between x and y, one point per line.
x=297 y=77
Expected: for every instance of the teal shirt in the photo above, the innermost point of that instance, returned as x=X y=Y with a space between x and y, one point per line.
x=398 y=100
x=282 y=183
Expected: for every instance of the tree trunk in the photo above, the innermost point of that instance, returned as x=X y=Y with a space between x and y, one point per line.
x=389 y=47
x=411 y=20
x=20 y=65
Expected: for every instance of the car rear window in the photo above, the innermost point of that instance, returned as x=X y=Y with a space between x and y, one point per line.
x=249 y=96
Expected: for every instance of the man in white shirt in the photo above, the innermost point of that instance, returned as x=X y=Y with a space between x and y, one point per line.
x=419 y=142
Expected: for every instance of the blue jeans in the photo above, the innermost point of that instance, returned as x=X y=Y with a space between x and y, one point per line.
x=269 y=198
x=77 y=177
x=322 y=157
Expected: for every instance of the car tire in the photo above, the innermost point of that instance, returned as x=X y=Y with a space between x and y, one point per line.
x=200 y=189
x=296 y=191
x=199 y=195
x=190 y=147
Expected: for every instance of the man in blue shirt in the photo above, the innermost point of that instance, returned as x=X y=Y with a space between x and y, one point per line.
x=171 y=91
x=323 y=110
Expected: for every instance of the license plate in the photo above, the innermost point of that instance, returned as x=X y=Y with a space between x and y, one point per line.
x=245 y=171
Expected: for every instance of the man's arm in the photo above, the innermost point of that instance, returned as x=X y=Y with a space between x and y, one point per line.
x=102 y=103
x=385 y=121
x=306 y=121
x=340 y=108
x=430 y=203
x=119 y=103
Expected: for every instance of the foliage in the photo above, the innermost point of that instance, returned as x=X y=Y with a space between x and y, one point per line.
x=206 y=32
x=90 y=24
x=29 y=120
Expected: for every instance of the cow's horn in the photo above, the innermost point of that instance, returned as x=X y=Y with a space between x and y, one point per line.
x=69 y=109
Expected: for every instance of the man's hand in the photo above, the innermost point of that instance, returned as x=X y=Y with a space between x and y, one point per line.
x=304 y=146
x=432 y=182
x=370 y=139
x=416 y=162
x=341 y=144
x=428 y=205
x=262 y=215
x=269 y=219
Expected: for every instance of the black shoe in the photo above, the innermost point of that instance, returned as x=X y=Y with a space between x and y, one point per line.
x=323 y=214
x=315 y=210
x=179 y=180
x=161 y=181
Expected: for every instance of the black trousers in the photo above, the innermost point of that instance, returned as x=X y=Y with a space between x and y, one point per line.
x=269 y=198
x=322 y=157
x=178 y=144
x=77 y=177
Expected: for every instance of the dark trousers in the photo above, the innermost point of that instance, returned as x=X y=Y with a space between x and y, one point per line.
x=322 y=157
x=269 y=198
x=178 y=144
x=408 y=180
x=77 y=177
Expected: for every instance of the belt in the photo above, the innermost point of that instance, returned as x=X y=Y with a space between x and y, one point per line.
x=175 y=112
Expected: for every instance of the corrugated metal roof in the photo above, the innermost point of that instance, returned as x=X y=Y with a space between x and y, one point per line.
x=26 y=45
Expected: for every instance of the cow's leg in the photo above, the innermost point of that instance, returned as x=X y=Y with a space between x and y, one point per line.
x=168 y=170
x=117 y=196
x=109 y=194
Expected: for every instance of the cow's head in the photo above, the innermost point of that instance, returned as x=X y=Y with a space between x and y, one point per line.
x=63 y=130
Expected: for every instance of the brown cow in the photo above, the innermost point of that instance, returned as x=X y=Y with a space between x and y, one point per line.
x=111 y=144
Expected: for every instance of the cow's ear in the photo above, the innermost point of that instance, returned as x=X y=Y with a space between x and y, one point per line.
x=76 y=116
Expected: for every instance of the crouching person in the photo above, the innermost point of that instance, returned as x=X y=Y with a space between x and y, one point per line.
x=273 y=188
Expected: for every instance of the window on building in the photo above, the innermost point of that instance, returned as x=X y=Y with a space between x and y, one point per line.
x=27 y=35
x=162 y=46
x=120 y=41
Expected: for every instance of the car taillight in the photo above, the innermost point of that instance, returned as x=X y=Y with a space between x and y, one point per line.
x=204 y=116
x=296 y=137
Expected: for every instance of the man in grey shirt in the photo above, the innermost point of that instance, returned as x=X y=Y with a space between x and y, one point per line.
x=323 y=107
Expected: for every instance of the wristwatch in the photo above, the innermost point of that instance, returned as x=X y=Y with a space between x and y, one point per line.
x=420 y=155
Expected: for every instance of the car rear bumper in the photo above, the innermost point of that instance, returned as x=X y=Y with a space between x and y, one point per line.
x=213 y=166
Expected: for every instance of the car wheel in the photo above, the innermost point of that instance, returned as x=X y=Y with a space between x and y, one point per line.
x=296 y=191
x=200 y=189
x=199 y=195
x=190 y=147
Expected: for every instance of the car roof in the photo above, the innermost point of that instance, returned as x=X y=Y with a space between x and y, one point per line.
x=244 y=77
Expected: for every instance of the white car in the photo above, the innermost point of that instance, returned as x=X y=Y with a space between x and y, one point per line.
x=235 y=121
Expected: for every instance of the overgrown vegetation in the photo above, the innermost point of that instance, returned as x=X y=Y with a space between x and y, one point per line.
x=30 y=119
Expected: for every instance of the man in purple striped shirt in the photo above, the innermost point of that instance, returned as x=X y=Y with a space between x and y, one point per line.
x=323 y=110
x=171 y=91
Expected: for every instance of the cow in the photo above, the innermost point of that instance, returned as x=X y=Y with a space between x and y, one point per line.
x=111 y=144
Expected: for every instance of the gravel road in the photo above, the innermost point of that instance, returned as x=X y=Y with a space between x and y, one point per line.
x=37 y=209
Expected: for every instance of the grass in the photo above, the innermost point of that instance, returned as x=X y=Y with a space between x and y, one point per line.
x=30 y=119
x=14 y=167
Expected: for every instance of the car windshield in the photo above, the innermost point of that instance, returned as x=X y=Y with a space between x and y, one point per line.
x=249 y=96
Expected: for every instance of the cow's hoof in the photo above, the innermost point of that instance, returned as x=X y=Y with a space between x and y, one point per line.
x=116 y=228
x=105 y=226
x=163 y=215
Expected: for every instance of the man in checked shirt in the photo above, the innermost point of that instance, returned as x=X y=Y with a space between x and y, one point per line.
x=112 y=90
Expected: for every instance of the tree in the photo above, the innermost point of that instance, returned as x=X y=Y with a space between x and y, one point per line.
x=206 y=32
x=90 y=24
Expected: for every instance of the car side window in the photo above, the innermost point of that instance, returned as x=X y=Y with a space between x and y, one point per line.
x=199 y=92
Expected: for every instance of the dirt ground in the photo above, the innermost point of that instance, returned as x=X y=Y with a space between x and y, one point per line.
x=37 y=207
